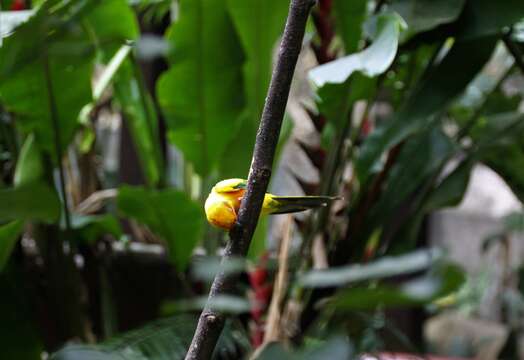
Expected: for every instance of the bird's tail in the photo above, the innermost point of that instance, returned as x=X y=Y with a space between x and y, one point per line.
x=290 y=204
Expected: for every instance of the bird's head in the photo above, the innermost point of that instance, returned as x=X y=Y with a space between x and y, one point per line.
x=230 y=185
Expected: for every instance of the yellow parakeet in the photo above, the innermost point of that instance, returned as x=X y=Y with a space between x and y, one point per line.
x=223 y=203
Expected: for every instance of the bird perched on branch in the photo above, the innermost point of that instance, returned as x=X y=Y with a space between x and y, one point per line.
x=223 y=203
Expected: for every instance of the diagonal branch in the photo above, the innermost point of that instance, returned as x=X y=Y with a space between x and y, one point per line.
x=211 y=320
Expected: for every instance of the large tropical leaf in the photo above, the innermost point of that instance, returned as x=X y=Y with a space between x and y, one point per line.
x=372 y=61
x=258 y=24
x=501 y=147
x=450 y=191
x=35 y=201
x=379 y=269
x=89 y=228
x=422 y=290
x=349 y=16
x=39 y=71
x=334 y=78
x=201 y=94
x=163 y=339
x=485 y=17
x=129 y=88
x=334 y=348
x=435 y=91
x=423 y=15
x=141 y=118
x=478 y=28
x=421 y=157
x=168 y=213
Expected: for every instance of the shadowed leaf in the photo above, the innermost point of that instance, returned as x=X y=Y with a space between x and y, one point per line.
x=168 y=213
x=36 y=201
x=9 y=234
x=383 y=268
x=201 y=94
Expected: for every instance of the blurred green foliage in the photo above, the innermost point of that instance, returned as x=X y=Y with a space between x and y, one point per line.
x=82 y=88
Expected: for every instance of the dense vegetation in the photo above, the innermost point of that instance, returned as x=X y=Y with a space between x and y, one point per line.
x=117 y=117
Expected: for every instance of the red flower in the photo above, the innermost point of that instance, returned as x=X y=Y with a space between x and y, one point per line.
x=18 y=5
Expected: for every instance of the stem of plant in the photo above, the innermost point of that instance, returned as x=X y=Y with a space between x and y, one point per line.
x=153 y=133
x=58 y=141
x=66 y=292
x=211 y=321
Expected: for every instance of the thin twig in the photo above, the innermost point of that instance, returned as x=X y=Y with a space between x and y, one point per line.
x=58 y=141
x=211 y=321
x=95 y=201
x=273 y=326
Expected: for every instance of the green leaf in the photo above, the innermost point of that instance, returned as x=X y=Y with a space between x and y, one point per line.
x=484 y=93
x=29 y=166
x=500 y=145
x=420 y=291
x=9 y=234
x=168 y=213
x=26 y=94
x=111 y=34
x=36 y=201
x=89 y=228
x=434 y=92
x=372 y=61
x=383 y=268
x=30 y=40
x=418 y=159
x=201 y=93
x=142 y=119
x=349 y=16
x=508 y=161
x=449 y=192
x=423 y=15
x=451 y=189
x=23 y=86
x=135 y=101
x=335 y=100
x=478 y=28
x=334 y=348
x=258 y=24
x=160 y=340
x=399 y=210
x=343 y=81
x=498 y=130
x=486 y=17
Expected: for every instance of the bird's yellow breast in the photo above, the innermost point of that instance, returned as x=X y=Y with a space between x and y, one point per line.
x=221 y=209
x=222 y=206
